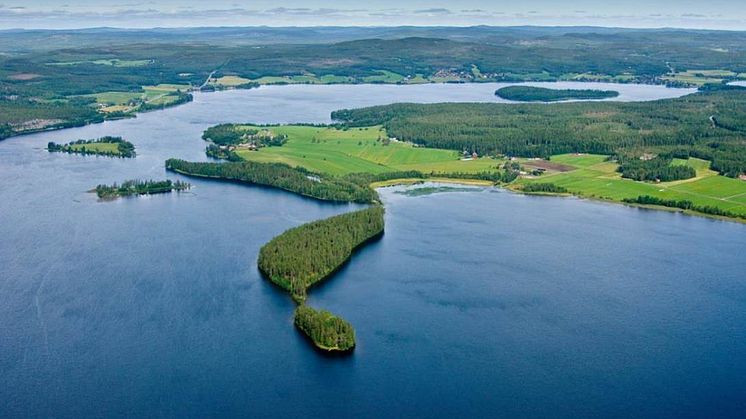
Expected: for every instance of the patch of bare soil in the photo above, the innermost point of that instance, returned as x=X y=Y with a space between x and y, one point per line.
x=24 y=76
x=548 y=165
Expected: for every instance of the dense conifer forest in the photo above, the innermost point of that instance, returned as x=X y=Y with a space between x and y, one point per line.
x=327 y=331
x=305 y=255
x=541 y=94
x=279 y=176
x=658 y=168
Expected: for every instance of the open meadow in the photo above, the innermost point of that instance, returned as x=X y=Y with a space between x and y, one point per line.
x=338 y=152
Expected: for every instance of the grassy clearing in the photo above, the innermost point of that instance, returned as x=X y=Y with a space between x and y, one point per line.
x=230 y=81
x=700 y=77
x=384 y=76
x=620 y=78
x=116 y=98
x=159 y=95
x=97 y=147
x=337 y=152
x=596 y=178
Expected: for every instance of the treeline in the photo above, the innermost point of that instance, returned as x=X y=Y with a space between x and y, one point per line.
x=327 y=331
x=682 y=125
x=124 y=148
x=683 y=204
x=542 y=94
x=217 y=152
x=305 y=255
x=658 y=168
x=543 y=188
x=140 y=187
x=279 y=176
x=227 y=134
x=363 y=179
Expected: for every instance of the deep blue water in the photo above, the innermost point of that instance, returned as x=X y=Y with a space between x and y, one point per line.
x=473 y=304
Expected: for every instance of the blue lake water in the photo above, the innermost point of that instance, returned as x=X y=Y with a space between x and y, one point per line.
x=478 y=303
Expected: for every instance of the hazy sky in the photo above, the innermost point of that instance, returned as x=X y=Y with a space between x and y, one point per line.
x=716 y=14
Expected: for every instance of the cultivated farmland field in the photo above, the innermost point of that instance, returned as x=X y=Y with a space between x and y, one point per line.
x=595 y=177
x=337 y=152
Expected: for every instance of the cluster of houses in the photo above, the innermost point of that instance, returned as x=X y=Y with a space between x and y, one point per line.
x=470 y=156
x=253 y=142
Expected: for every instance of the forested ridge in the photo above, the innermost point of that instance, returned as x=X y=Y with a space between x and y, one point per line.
x=305 y=255
x=279 y=176
x=709 y=125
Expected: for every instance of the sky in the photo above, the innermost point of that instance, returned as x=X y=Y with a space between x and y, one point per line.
x=67 y=14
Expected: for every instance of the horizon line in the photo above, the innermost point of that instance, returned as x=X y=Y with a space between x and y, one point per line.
x=126 y=28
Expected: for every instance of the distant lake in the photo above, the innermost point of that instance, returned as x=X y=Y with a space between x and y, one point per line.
x=475 y=303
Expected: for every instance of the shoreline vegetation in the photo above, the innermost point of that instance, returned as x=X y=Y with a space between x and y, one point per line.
x=139 y=187
x=104 y=146
x=542 y=94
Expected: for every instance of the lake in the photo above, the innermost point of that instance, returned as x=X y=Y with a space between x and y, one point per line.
x=475 y=303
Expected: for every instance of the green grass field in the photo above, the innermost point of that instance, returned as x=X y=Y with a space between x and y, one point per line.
x=98 y=147
x=700 y=77
x=594 y=177
x=116 y=98
x=384 y=76
x=153 y=95
x=332 y=151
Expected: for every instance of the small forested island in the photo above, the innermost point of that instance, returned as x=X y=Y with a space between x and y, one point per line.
x=104 y=146
x=327 y=331
x=140 y=187
x=305 y=255
x=542 y=94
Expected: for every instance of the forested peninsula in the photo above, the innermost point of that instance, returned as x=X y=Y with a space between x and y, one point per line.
x=279 y=176
x=542 y=94
x=306 y=255
x=310 y=253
